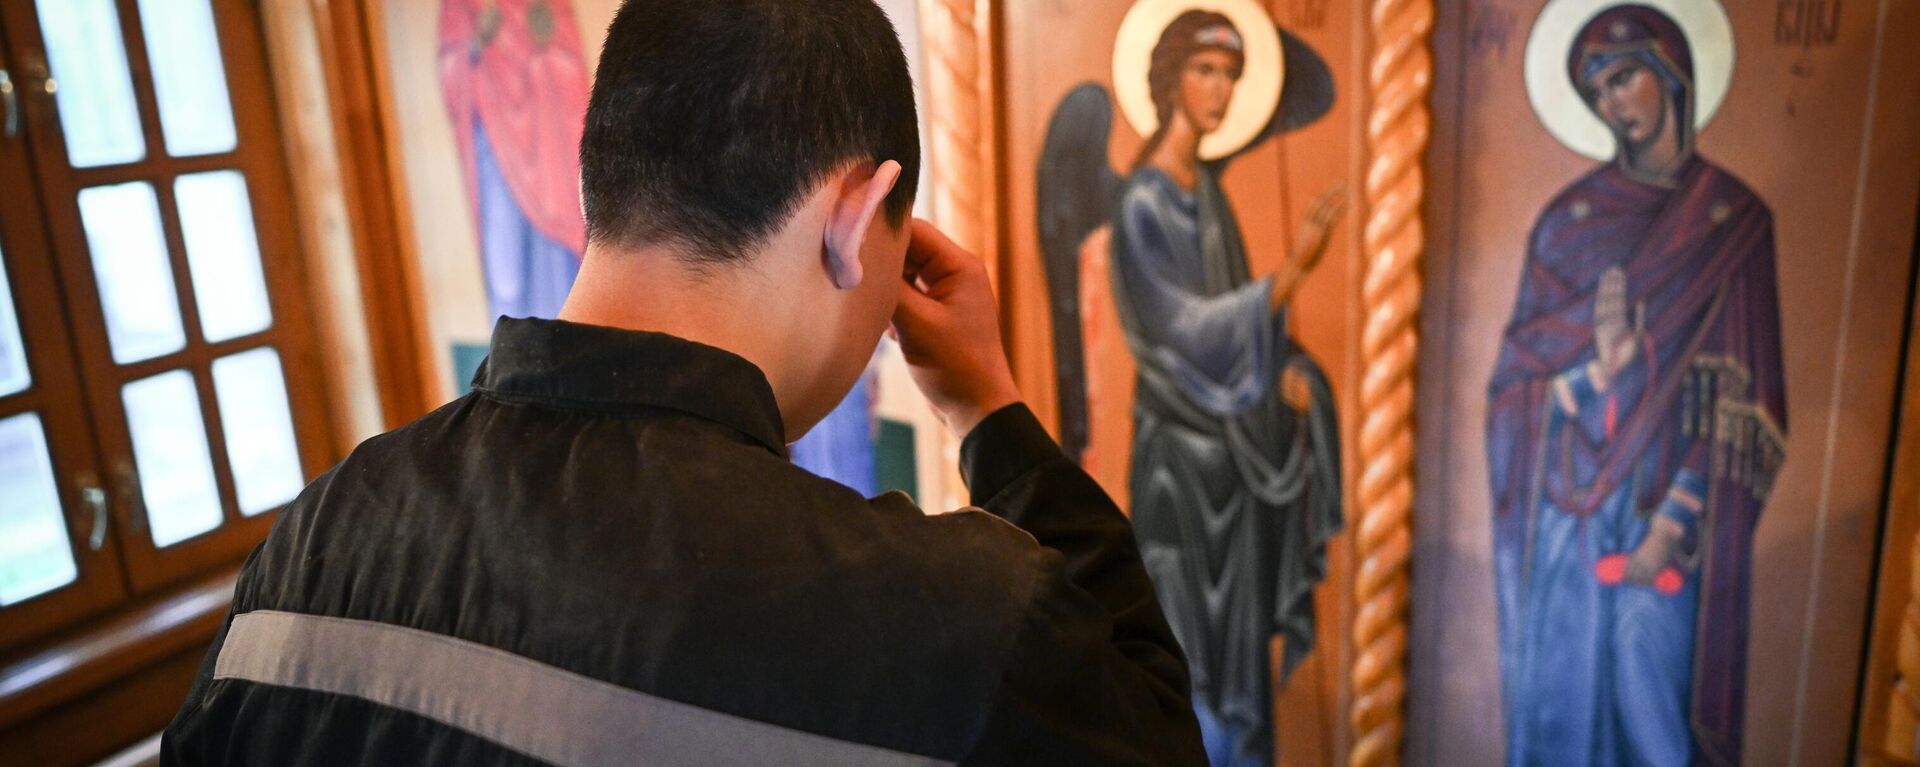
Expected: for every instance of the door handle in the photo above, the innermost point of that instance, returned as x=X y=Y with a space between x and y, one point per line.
x=94 y=498
x=10 y=103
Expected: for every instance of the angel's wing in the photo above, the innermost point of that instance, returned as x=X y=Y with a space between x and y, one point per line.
x=1075 y=197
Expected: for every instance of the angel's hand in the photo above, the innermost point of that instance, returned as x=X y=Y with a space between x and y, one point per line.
x=1316 y=230
x=1311 y=244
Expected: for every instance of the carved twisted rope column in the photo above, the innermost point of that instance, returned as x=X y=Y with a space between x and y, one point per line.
x=957 y=41
x=1399 y=79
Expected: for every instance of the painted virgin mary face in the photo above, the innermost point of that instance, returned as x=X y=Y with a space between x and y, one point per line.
x=1206 y=88
x=1629 y=98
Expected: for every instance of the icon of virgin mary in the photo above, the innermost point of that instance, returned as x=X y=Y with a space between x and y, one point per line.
x=1636 y=415
x=1234 y=475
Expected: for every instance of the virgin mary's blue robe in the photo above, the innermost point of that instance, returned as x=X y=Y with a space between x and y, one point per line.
x=1693 y=429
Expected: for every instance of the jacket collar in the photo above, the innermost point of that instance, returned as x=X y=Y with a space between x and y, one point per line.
x=615 y=370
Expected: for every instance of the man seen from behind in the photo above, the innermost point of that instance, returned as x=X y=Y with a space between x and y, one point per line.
x=602 y=555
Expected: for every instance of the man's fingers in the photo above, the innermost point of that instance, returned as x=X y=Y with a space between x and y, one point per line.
x=914 y=310
x=931 y=254
x=921 y=239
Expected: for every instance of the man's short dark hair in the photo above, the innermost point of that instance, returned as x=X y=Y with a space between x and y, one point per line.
x=710 y=120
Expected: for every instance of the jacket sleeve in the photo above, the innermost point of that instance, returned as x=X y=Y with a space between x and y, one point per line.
x=1095 y=675
x=194 y=737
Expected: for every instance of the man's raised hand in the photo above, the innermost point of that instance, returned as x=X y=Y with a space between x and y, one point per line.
x=949 y=331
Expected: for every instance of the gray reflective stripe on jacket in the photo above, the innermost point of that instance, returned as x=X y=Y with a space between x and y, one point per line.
x=530 y=707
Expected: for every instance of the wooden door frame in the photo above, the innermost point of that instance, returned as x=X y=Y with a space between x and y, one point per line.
x=363 y=272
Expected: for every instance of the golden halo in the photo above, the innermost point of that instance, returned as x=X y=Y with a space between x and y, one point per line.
x=1255 y=96
x=1567 y=116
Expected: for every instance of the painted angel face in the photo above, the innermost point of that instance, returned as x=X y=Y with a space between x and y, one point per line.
x=1628 y=97
x=1206 y=88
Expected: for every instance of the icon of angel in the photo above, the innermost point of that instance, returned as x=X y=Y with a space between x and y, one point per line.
x=1234 y=474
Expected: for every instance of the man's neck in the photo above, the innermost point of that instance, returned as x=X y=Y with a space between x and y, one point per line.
x=650 y=288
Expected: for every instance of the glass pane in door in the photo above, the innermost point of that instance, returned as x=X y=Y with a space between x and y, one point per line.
x=91 y=83
x=223 y=254
x=13 y=352
x=36 y=555
x=170 y=451
x=130 y=267
x=252 y=393
x=188 y=77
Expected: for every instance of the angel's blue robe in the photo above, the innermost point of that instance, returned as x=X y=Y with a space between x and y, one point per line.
x=1234 y=490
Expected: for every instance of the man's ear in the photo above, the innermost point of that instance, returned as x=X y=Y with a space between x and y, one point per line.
x=852 y=216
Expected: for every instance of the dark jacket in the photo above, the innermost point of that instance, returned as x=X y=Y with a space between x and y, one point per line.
x=602 y=556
